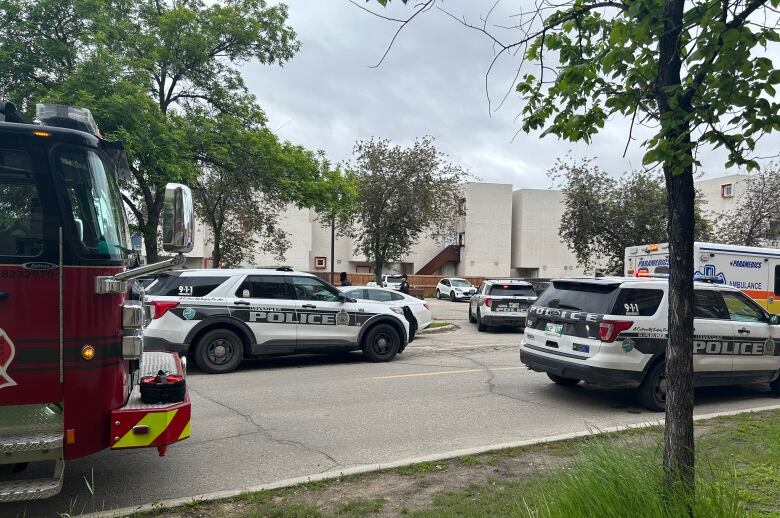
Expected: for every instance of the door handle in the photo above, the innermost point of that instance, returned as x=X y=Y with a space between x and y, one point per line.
x=241 y=303
x=743 y=331
x=3 y=295
x=308 y=306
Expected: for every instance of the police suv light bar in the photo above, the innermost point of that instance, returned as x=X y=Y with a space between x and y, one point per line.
x=63 y=116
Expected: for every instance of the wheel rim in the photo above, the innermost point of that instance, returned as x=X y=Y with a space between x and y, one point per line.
x=220 y=351
x=383 y=343
x=659 y=390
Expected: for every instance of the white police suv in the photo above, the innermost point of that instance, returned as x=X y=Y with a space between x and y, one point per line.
x=218 y=317
x=501 y=303
x=613 y=332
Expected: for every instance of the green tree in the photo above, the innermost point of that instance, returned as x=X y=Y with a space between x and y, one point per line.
x=247 y=178
x=605 y=215
x=143 y=65
x=402 y=194
x=697 y=73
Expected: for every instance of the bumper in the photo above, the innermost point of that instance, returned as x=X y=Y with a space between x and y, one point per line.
x=141 y=425
x=588 y=373
x=497 y=319
x=155 y=343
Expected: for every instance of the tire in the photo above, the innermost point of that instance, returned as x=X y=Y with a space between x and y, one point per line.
x=438 y=294
x=452 y=295
x=775 y=386
x=651 y=394
x=560 y=380
x=381 y=343
x=219 y=351
x=480 y=326
x=472 y=319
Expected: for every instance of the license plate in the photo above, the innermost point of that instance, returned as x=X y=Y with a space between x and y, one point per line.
x=554 y=329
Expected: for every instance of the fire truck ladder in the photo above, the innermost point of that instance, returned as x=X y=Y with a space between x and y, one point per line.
x=30 y=434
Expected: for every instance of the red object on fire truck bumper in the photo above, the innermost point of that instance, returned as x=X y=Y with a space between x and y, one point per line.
x=141 y=425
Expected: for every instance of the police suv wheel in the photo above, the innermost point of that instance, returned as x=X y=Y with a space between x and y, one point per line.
x=471 y=316
x=381 y=343
x=219 y=351
x=652 y=393
x=560 y=380
x=775 y=386
x=480 y=326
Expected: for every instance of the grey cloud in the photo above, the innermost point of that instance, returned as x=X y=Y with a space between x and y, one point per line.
x=432 y=82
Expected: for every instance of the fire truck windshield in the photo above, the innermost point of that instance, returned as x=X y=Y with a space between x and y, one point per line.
x=94 y=202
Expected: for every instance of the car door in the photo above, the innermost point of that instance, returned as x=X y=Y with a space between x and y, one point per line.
x=475 y=300
x=753 y=352
x=712 y=331
x=445 y=290
x=324 y=321
x=267 y=304
x=773 y=288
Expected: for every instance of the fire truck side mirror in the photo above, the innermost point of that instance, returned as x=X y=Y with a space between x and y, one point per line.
x=178 y=219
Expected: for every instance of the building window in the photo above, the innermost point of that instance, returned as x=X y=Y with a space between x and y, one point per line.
x=727 y=190
x=320 y=263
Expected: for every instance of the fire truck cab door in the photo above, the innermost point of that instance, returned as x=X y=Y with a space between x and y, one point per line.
x=30 y=341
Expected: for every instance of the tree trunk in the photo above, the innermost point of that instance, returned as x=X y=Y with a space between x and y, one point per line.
x=379 y=265
x=150 y=236
x=216 y=255
x=678 y=433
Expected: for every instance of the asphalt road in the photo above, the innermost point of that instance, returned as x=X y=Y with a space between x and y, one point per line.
x=285 y=418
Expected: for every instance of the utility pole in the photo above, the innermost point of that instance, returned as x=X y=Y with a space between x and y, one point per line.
x=332 y=249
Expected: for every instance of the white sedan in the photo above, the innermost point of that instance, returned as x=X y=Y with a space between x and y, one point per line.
x=421 y=311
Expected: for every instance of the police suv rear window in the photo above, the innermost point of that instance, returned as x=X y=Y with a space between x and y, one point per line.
x=637 y=302
x=263 y=287
x=579 y=296
x=185 y=286
x=512 y=290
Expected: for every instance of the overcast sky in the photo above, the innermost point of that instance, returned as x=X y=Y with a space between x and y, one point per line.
x=432 y=82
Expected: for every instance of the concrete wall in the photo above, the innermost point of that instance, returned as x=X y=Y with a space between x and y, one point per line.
x=710 y=191
x=537 y=249
x=487 y=249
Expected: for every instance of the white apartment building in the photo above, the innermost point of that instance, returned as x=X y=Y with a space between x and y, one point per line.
x=503 y=233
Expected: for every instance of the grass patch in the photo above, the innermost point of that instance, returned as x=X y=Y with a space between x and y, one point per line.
x=422 y=468
x=436 y=325
x=611 y=475
x=360 y=507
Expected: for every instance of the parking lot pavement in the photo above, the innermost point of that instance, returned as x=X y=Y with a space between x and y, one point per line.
x=292 y=417
x=467 y=337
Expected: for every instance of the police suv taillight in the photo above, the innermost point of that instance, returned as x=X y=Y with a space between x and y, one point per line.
x=610 y=329
x=161 y=306
x=488 y=302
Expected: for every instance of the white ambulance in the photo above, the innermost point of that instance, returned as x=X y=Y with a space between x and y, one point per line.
x=755 y=271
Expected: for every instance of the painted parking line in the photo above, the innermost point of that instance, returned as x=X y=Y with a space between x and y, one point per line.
x=442 y=373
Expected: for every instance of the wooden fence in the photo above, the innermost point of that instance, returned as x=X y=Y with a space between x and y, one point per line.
x=420 y=285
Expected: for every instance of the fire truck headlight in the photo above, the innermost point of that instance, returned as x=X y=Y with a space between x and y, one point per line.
x=132 y=346
x=87 y=352
x=132 y=316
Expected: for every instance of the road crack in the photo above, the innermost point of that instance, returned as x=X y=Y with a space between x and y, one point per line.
x=491 y=380
x=266 y=433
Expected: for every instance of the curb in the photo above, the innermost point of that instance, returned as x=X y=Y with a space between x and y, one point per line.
x=368 y=468
x=442 y=329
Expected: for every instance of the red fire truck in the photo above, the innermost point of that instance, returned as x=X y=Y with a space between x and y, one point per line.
x=71 y=350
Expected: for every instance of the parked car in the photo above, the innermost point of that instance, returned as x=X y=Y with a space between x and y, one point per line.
x=613 y=331
x=501 y=302
x=454 y=288
x=392 y=281
x=219 y=317
x=420 y=317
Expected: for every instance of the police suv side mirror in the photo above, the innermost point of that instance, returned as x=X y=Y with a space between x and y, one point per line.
x=774 y=320
x=343 y=298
